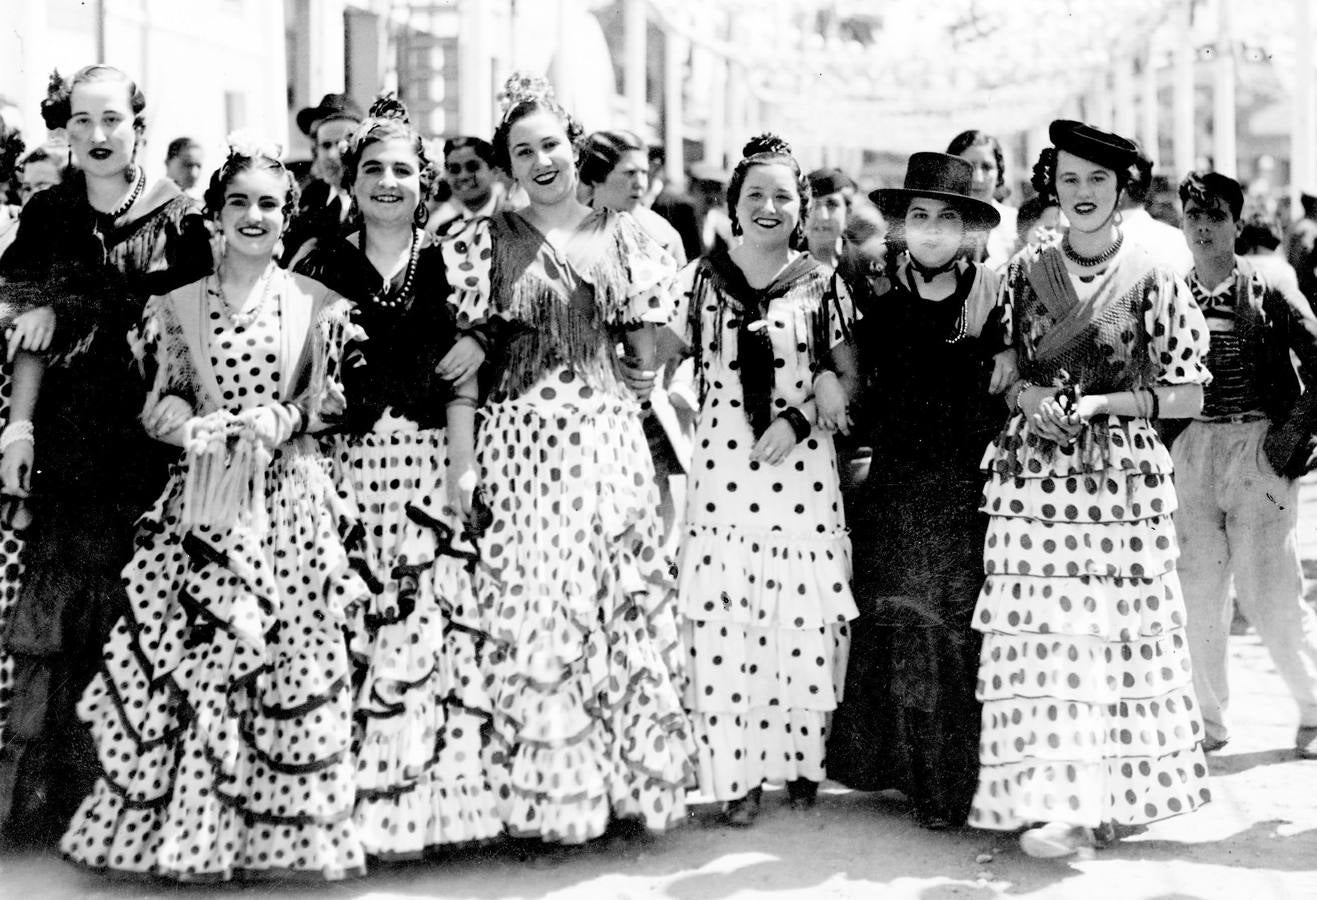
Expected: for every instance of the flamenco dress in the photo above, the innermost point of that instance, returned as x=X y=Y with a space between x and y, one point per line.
x=909 y=720
x=421 y=706
x=765 y=566
x=95 y=472
x=583 y=663
x=222 y=714
x=1089 y=715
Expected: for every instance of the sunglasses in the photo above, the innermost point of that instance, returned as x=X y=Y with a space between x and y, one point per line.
x=472 y=166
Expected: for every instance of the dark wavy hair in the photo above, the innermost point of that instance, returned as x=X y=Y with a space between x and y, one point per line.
x=1133 y=179
x=1204 y=187
x=764 y=150
x=603 y=150
x=975 y=138
x=242 y=160
x=526 y=96
x=388 y=120
x=57 y=108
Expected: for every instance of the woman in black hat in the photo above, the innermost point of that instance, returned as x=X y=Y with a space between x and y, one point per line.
x=1089 y=716
x=909 y=719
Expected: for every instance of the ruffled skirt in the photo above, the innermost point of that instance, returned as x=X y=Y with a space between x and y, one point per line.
x=765 y=599
x=421 y=704
x=1089 y=714
x=222 y=714
x=584 y=663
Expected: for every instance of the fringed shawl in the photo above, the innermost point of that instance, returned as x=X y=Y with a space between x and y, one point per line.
x=565 y=306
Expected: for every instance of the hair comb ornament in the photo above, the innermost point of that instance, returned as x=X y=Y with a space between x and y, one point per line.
x=388 y=106
x=245 y=143
x=521 y=87
x=766 y=143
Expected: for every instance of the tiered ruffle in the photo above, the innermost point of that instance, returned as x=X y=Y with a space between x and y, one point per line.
x=584 y=665
x=222 y=715
x=766 y=617
x=421 y=704
x=1088 y=707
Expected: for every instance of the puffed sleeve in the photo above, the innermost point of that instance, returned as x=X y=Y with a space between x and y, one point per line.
x=649 y=273
x=839 y=312
x=1178 y=333
x=468 y=261
x=681 y=329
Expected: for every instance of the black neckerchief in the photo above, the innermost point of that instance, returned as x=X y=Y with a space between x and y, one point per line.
x=754 y=347
x=928 y=273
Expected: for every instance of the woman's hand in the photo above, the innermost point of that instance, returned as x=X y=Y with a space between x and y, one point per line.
x=461 y=360
x=462 y=482
x=1088 y=406
x=16 y=469
x=1005 y=371
x=1047 y=417
x=32 y=331
x=169 y=413
x=831 y=413
x=776 y=443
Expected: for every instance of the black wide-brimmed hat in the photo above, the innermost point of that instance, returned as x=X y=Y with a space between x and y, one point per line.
x=332 y=106
x=942 y=177
x=1095 y=145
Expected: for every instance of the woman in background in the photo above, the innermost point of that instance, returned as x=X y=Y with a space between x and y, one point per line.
x=983 y=152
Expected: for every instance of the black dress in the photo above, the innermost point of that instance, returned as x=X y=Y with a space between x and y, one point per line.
x=95 y=472
x=909 y=719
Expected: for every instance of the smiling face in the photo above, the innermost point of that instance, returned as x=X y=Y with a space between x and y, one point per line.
x=252 y=217
x=100 y=127
x=625 y=185
x=934 y=231
x=768 y=209
x=469 y=176
x=1210 y=229
x=388 y=183
x=827 y=219
x=543 y=161
x=986 y=173
x=330 y=137
x=1087 y=191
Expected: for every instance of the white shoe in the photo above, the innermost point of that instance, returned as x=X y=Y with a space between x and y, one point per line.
x=1056 y=840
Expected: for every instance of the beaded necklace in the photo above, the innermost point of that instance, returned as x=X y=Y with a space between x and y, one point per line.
x=244 y=318
x=109 y=218
x=384 y=298
x=1098 y=260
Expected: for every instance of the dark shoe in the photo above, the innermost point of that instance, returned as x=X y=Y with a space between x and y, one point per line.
x=742 y=811
x=802 y=793
x=1211 y=744
x=1305 y=742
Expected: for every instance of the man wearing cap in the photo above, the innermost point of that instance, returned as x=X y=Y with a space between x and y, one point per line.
x=1236 y=464
x=324 y=207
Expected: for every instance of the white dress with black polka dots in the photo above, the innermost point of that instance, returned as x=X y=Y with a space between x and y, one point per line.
x=1089 y=714
x=223 y=714
x=764 y=584
x=11 y=566
x=583 y=662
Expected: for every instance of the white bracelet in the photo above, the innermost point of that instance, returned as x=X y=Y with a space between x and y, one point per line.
x=17 y=432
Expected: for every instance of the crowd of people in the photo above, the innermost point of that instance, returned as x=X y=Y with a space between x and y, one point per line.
x=508 y=494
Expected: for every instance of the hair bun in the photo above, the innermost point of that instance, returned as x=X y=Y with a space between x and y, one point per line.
x=55 y=107
x=766 y=143
x=521 y=87
x=388 y=106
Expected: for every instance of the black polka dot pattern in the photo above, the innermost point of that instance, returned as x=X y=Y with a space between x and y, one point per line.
x=765 y=568
x=11 y=568
x=223 y=714
x=421 y=703
x=1089 y=714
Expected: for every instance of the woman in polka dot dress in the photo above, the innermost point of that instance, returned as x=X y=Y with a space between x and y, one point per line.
x=1089 y=717
x=765 y=566
x=223 y=713
x=583 y=658
x=406 y=458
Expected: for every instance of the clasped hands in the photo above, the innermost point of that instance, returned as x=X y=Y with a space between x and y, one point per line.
x=1058 y=415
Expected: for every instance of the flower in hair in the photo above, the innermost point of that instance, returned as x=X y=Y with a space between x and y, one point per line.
x=246 y=143
x=55 y=108
x=766 y=143
x=388 y=106
x=521 y=87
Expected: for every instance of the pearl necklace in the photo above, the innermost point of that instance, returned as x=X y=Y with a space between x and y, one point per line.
x=1098 y=260
x=245 y=318
x=384 y=298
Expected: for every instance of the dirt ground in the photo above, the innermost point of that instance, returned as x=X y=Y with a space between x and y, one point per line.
x=1256 y=841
